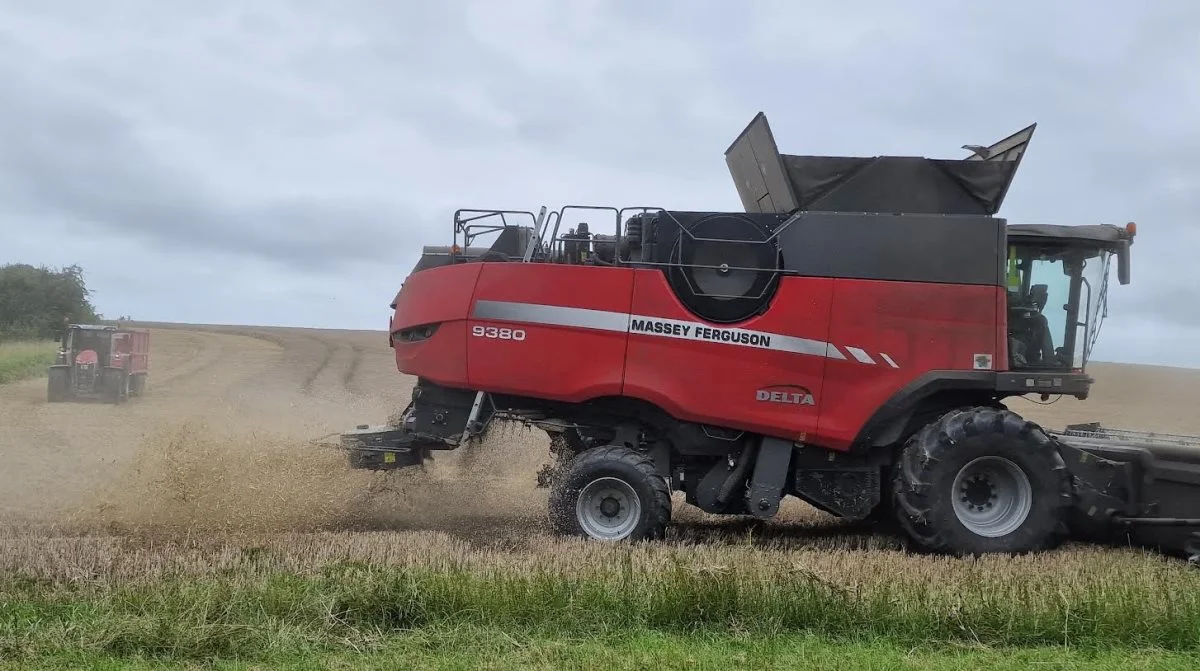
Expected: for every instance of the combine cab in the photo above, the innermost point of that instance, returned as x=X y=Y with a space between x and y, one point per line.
x=97 y=361
x=849 y=340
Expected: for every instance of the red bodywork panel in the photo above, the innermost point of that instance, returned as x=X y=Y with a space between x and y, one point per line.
x=558 y=362
x=716 y=383
x=436 y=296
x=918 y=327
x=131 y=351
x=815 y=367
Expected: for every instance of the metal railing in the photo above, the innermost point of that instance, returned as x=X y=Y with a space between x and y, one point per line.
x=548 y=243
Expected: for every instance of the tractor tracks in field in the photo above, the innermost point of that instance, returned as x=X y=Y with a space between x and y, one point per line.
x=329 y=364
x=308 y=357
x=195 y=353
x=337 y=368
x=207 y=352
x=339 y=373
x=350 y=377
x=313 y=362
x=326 y=357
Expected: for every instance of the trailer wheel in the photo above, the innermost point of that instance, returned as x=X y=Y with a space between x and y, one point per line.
x=115 y=384
x=611 y=493
x=982 y=480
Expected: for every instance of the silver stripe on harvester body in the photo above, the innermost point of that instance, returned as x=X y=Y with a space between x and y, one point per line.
x=860 y=355
x=552 y=315
x=624 y=322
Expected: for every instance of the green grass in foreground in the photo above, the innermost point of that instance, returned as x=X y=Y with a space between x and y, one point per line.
x=349 y=607
x=25 y=359
x=473 y=648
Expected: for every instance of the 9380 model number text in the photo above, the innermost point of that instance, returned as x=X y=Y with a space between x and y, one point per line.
x=497 y=333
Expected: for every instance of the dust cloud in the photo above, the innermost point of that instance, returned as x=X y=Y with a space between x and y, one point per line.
x=225 y=445
x=197 y=478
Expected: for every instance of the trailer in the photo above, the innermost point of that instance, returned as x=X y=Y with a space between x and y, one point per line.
x=848 y=339
x=100 y=361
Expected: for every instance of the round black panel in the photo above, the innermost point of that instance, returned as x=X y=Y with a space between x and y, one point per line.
x=729 y=272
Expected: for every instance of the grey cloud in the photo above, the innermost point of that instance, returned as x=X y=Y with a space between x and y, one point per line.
x=79 y=162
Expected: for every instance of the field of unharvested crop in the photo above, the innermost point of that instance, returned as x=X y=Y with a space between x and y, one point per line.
x=201 y=524
x=23 y=359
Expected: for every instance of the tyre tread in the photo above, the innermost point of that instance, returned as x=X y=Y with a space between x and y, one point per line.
x=912 y=486
x=562 y=516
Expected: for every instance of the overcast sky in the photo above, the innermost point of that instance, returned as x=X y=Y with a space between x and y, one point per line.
x=278 y=162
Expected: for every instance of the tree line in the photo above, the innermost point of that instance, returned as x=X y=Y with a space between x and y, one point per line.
x=37 y=302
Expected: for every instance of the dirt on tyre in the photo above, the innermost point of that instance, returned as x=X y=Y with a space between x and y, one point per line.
x=982 y=481
x=611 y=494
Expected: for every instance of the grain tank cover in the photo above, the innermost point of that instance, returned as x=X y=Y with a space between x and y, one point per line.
x=768 y=181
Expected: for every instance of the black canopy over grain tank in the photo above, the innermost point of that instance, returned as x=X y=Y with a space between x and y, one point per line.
x=768 y=181
x=899 y=218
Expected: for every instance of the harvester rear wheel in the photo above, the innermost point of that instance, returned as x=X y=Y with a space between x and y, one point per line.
x=610 y=493
x=982 y=480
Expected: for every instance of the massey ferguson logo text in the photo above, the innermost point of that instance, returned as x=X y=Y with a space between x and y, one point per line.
x=785 y=395
x=698 y=332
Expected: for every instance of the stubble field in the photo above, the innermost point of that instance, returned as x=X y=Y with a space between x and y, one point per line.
x=201 y=523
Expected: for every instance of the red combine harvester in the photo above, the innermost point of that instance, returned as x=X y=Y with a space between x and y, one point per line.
x=847 y=340
x=108 y=362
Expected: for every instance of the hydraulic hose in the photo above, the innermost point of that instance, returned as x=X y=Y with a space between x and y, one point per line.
x=737 y=475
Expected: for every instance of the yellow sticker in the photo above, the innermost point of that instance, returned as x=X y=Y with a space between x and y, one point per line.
x=389 y=457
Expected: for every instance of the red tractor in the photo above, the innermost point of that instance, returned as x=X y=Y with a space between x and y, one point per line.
x=848 y=340
x=108 y=362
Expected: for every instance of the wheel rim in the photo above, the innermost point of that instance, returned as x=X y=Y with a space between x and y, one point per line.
x=992 y=496
x=608 y=509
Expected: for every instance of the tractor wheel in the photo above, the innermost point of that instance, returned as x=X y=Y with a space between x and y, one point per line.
x=982 y=480
x=611 y=493
x=57 y=387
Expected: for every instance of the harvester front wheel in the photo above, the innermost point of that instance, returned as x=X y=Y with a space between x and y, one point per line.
x=611 y=493
x=980 y=481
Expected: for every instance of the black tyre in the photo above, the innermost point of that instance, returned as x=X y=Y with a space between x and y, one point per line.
x=979 y=481
x=610 y=493
x=116 y=386
x=57 y=386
